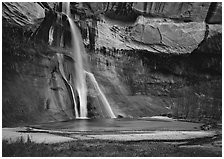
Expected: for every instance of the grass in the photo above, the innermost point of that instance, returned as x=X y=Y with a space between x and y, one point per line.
x=102 y=148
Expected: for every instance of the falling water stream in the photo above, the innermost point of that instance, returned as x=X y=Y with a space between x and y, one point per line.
x=78 y=53
x=80 y=77
x=51 y=31
x=108 y=111
x=61 y=69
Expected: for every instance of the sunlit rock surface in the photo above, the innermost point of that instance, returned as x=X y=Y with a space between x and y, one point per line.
x=22 y=13
x=154 y=35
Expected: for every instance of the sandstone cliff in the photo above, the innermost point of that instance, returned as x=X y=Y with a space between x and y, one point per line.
x=149 y=58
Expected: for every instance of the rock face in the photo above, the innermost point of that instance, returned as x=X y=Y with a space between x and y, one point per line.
x=154 y=35
x=214 y=15
x=148 y=58
x=212 y=43
x=22 y=13
x=139 y=80
x=166 y=32
x=184 y=11
x=159 y=34
x=33 y=90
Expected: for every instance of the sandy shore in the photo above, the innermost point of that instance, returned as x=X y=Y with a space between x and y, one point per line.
x=51 y=137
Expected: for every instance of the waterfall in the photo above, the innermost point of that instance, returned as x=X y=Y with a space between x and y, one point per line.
x=78 y=50
x=80 y=80
x=78 y=54
x=102 y=97
x=61 y=69
x=51 y=32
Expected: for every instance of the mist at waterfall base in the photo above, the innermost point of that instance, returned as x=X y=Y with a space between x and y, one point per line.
x=81 y=72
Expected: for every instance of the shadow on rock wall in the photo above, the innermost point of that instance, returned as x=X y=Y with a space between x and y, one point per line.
x=139 y=83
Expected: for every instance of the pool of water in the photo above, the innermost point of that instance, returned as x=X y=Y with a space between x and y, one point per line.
x=119 y=124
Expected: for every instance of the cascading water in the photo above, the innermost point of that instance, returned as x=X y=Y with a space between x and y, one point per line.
x=108 y=111
x=78 y=51
x=61 y=69
x=51 y=32
x=80 y=80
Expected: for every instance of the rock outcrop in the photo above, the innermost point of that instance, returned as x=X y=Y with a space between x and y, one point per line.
x=166 y=32
x=153 y=35
x=22 y=13
x=183 y=11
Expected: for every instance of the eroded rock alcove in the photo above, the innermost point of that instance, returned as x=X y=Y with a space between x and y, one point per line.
x=148 y=58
